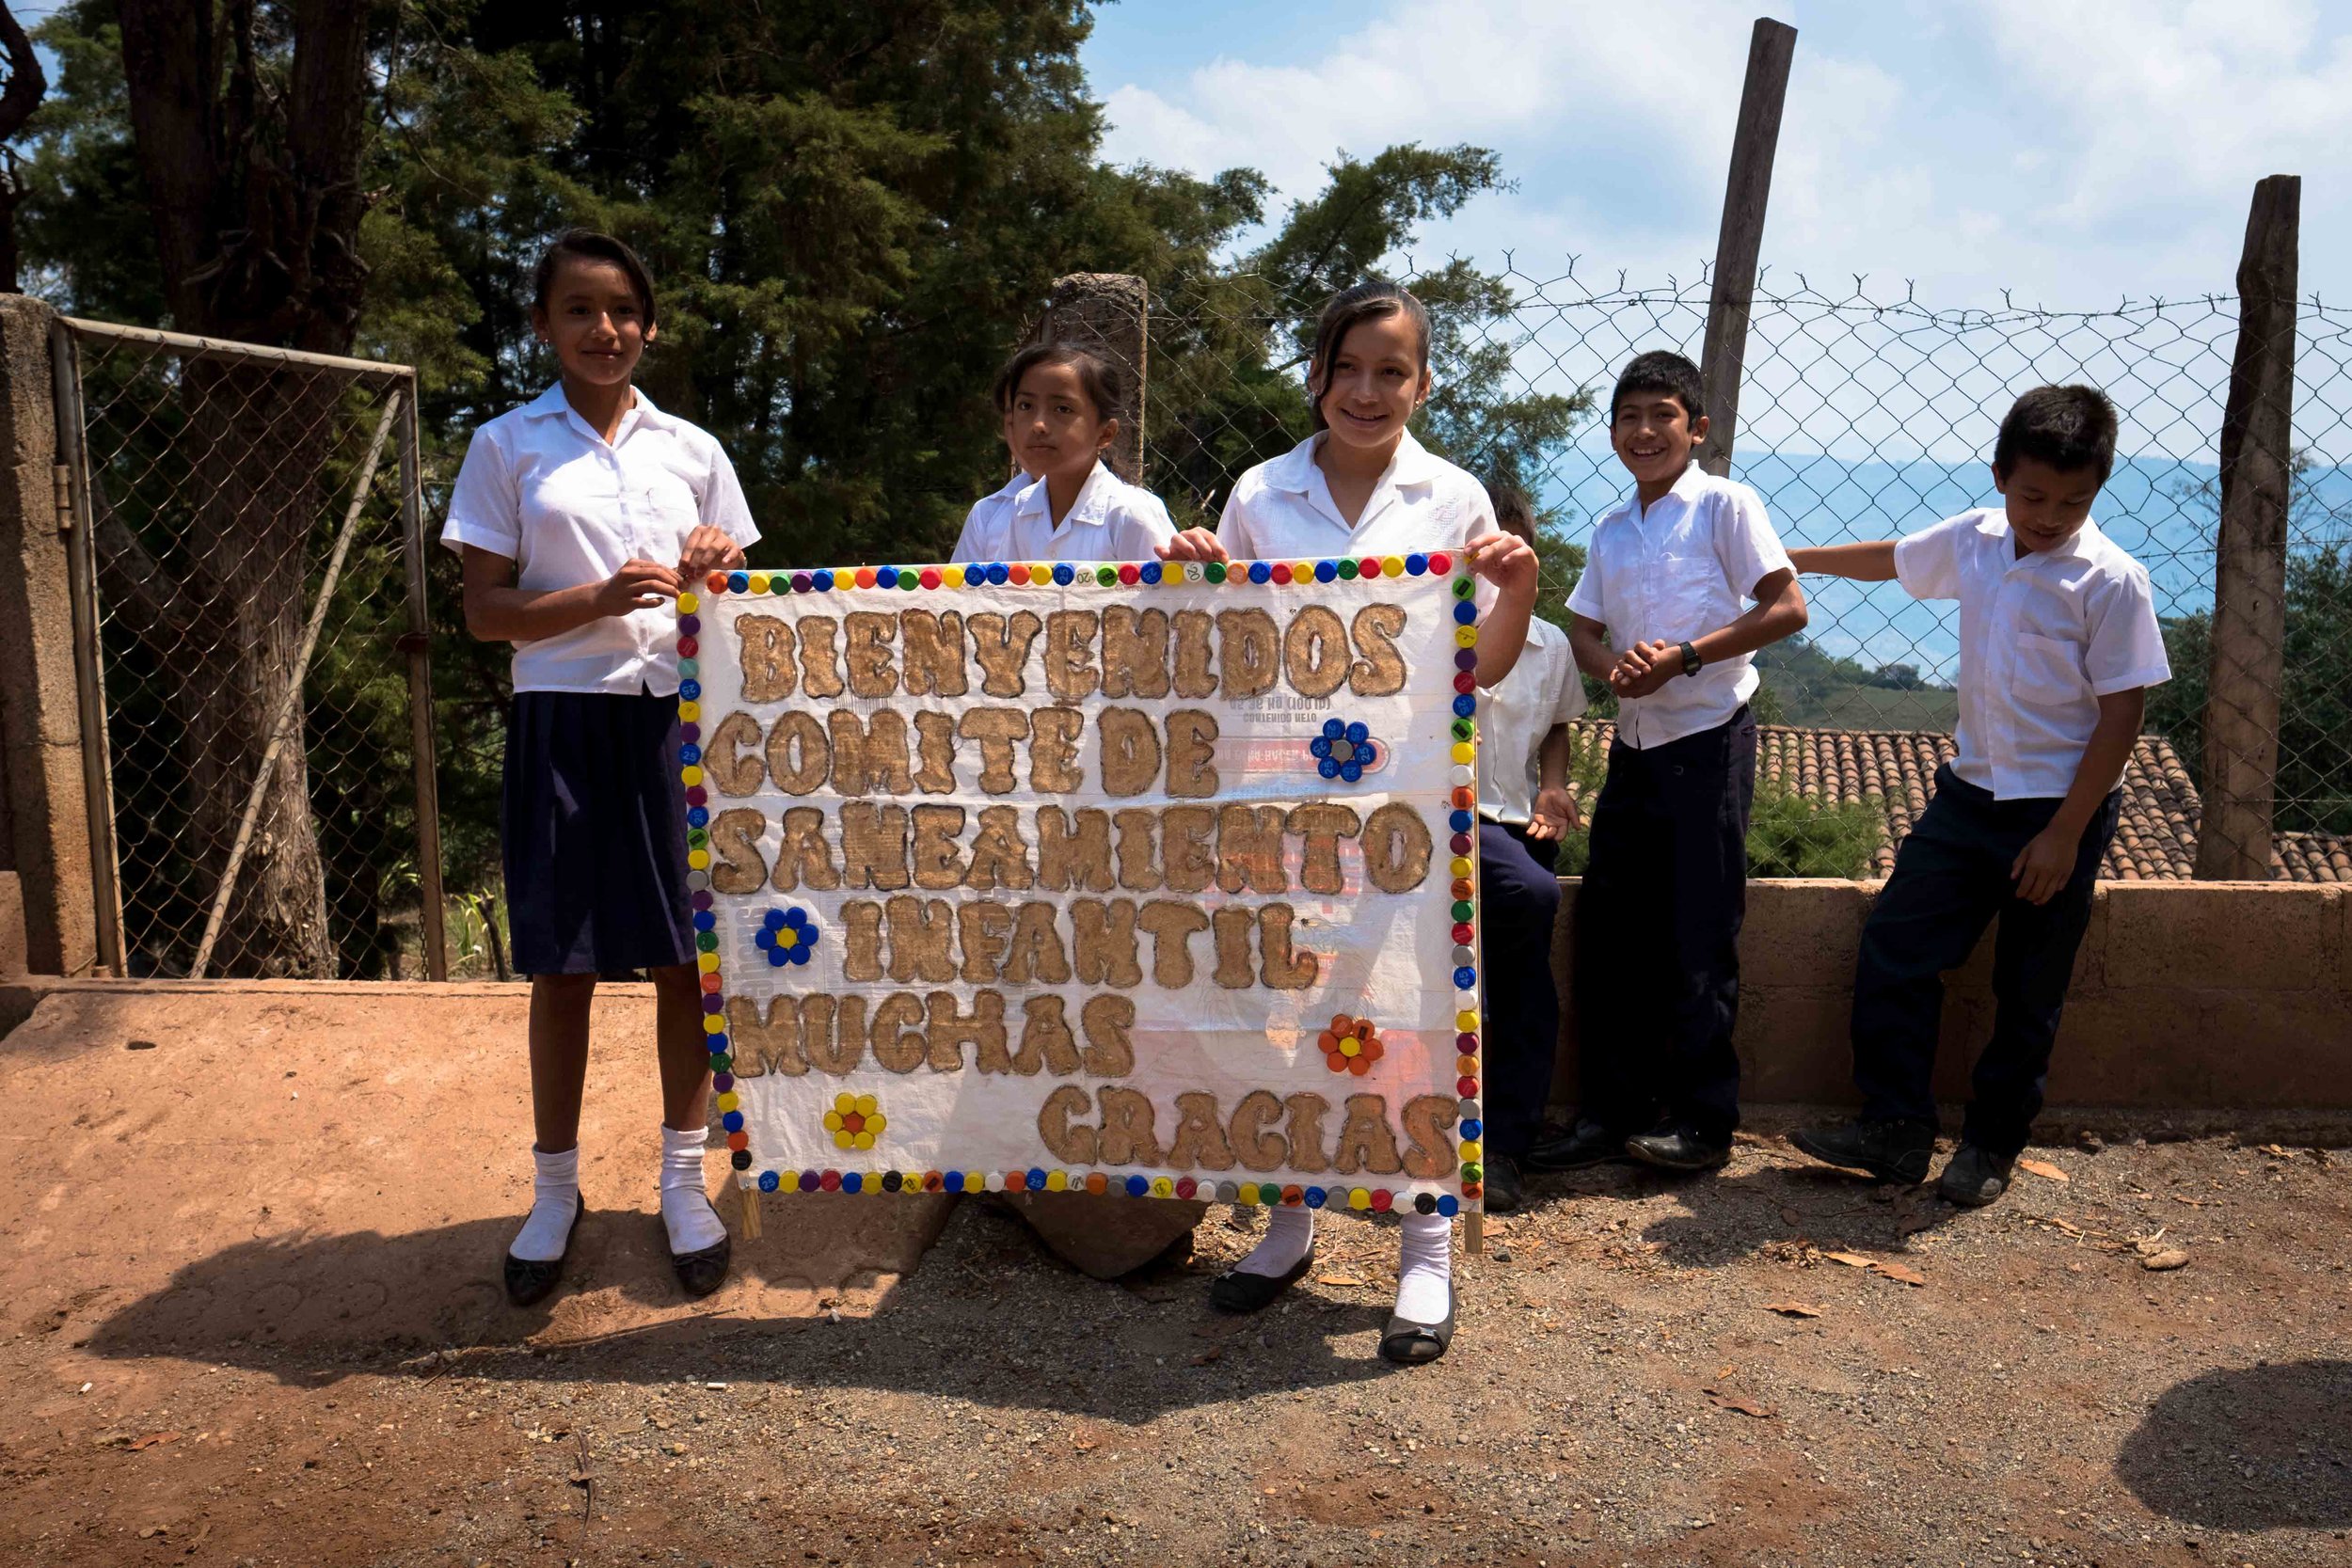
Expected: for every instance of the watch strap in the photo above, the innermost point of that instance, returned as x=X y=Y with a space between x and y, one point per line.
x=1691 y=661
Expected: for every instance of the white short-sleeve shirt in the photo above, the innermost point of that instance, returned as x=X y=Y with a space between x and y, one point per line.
x=1110 y=520
x=987 y=520
x=545 y=490
x=1542 y=690
x=2043 y=637
x=1283 y=511
x=1673 y=572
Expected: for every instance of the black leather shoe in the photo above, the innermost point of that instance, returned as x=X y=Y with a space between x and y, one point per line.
x=1588 y=1142
x=1679 y=1148
x=1973 y=1179
x=1503 y=1185
x=1890 y=1150
x=1236 y=1292
x=704 y=1269
x=1412 y=1344
x=529 y=1280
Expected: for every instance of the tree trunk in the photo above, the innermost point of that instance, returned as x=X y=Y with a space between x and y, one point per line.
x=260 y=440
x=257 y=207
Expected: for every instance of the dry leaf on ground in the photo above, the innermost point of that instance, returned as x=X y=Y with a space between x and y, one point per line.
x=1792 y=1310
x=1339 y=1279
x=1740 y=1403
x=1851 y=1260
x=151 y=1439
x=2162 y=1261
x=1898 y=1271
x=2044 y=1169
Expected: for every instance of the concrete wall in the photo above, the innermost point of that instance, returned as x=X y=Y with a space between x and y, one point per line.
x=2187 y=996
x=54 y=915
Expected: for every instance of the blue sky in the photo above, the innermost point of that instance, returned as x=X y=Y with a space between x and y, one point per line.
x=2074 y=153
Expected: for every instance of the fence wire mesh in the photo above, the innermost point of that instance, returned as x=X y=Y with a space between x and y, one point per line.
x=218 y=482
x=1863 y=414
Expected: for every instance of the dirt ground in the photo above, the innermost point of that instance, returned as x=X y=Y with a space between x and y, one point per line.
x=249 y=1314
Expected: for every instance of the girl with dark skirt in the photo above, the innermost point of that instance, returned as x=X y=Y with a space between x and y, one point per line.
x=579 y=515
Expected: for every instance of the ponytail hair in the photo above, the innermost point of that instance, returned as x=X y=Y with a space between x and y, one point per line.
x=1366 y=301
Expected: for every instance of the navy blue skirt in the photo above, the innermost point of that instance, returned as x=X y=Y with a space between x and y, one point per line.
x=592 y=830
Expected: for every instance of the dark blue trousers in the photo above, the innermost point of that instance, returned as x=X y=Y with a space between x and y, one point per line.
x=1518 y=901
x=1951 y=879
x=1658 y=933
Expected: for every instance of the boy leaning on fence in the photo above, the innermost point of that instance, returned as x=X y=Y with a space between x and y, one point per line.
x=2058 y=643
x=1657 y=615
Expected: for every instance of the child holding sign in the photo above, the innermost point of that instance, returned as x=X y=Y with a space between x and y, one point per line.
x=1058 y=402
x=1362 y=485
x=577 y=515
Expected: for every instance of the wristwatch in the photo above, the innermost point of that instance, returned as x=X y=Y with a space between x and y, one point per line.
x=1690 y=660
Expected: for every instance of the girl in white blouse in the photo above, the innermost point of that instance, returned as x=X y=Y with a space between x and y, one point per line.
x=1059 y=403
x=1361 y=485
x=579 y=515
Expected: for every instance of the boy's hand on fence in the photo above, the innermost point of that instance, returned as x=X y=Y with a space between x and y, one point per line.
x=2045 y=865
x=638 y=585
x=1194 y=544
x=708 y=550
x=1555 y=814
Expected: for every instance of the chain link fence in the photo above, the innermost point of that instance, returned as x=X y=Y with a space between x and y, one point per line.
x=1864 y=414
x=251 y=596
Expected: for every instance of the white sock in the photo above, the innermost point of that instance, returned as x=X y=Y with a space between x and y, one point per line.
x=1424 y=1269
x=554 y=1201
x=1289 y=1232
x=686 y=1210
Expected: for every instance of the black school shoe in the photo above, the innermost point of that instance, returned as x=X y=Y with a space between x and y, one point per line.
x=1973 y=1179
x=529 y=1280
x=1890 y=1150
x=1236 y=1292
x=1588 y=1142
x=1503 y=1190
x=1412 y=1344
x=704 y=1269
x=1679 y=1147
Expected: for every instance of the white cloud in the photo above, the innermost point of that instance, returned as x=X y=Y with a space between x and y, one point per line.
x=2076 y=150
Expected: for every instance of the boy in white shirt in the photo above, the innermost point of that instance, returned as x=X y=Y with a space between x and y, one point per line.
x=1657 y=615
x=1523 y=808
x=2058 y=643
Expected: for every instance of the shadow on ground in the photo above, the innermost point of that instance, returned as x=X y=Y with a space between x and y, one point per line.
x=2249 y=1447
x=1728 y=1219
x=988 y=1319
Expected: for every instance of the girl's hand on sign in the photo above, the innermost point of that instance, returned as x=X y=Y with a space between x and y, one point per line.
x=708 y=550
x=638 y=585
x=1194 y=544
x=1505 y=559
x=1555 y=814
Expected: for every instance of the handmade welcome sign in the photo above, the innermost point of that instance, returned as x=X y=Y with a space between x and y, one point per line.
x=1138 y=879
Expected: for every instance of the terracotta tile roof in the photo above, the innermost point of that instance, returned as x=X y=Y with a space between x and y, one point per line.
x=2155 y=840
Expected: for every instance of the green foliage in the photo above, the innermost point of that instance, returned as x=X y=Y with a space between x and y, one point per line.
x=1792 y=835
x=1803 y=684
x=851 y=213
x=2314 y=779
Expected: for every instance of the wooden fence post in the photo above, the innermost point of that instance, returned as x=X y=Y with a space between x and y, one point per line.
x=1104 y=312
x=1770 y=49
x=2241 y=762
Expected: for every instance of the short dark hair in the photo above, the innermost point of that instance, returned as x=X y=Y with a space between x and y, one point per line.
x=1514 y=513
x=2070 y=428
x=589 y=245
x=1366 y=301
x=1661 y=370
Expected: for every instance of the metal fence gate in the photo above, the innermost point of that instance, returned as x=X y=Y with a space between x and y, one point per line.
x=251 y=631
